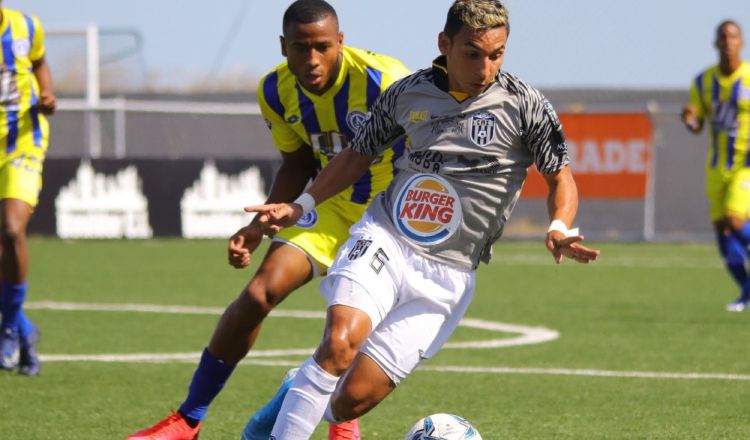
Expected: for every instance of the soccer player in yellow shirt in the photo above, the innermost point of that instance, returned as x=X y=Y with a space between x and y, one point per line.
x=313 y=103
x=25 y=97
x=720 y=96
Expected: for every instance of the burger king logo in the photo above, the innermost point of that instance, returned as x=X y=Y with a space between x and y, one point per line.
x=427 y=209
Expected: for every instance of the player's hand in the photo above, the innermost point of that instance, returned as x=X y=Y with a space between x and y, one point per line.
x=561 y=246
x=47 y=103
x=275 y=216
x=690 y=119
x=242 y=244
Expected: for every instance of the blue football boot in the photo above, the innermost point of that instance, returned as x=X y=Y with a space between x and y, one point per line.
x=8 y=349
x=28 y=359
x=739 y=305
x=261 y=423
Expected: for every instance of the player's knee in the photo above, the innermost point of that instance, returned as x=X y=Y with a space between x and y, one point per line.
x=735 y=224
x=259 y=298
x=338 y=351
x=12 y=231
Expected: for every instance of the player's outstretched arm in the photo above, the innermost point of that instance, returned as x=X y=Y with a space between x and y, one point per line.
x=562 y=205
x=340 y=173
x=297 y=167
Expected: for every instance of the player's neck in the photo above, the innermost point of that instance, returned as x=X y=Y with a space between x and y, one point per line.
x=727 y=66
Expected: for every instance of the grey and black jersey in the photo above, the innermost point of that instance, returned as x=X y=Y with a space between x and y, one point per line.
x=466 y=161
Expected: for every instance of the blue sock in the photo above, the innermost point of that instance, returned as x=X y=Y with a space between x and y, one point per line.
x=208 y=380
x=734 y=256
x=743 y=235
x=11 y=303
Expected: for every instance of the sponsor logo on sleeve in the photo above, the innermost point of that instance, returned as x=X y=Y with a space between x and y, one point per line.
x=482 y=128
x=427 y=210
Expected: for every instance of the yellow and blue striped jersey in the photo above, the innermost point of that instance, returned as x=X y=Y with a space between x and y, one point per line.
x=724 y=102
x=328 y=122
x=22 y=39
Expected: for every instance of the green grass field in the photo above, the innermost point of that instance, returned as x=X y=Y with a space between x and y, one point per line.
x=643 y=308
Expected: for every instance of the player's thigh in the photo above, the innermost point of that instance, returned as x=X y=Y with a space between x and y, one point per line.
x=432 y=300
x=321 y=232
x=367 y=272
x=284 y=269
x=21 y=175
x=737 y=201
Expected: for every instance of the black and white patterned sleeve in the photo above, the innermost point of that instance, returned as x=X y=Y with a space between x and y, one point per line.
x=380 y=128
x=542 y=132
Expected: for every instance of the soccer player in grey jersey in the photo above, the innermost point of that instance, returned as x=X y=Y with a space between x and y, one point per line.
x=401 y=284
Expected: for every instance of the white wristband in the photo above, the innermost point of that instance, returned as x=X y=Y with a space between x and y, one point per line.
x=306 y=201
x=560 y=226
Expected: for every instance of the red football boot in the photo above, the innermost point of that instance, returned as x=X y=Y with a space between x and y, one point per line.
x=344 y=431
x=173 y=427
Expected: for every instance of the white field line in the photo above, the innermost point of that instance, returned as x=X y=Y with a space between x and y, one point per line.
x=529 y=335
x=193 y=358
x=526 y=335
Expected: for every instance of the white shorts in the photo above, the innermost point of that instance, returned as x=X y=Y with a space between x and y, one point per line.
x=414 y=303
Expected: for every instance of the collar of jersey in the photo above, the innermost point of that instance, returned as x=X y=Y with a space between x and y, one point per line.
x=336 y=85
x=741 y=71
x=440 y=73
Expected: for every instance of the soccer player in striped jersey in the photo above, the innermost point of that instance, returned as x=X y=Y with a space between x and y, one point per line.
x=313 y=103
x=402 y=282
x=25 y=97
x=720 y=95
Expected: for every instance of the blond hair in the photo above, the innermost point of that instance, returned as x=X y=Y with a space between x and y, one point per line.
x=476 y=15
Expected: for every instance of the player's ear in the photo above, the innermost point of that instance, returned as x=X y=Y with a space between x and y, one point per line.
x=283 y=45
x=444 y=43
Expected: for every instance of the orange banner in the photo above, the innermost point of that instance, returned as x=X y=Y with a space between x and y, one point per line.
x=610 y=156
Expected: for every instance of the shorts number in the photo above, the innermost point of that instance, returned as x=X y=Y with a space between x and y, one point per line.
x=378 y=260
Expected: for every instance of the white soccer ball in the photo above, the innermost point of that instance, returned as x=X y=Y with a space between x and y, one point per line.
x=443 y=427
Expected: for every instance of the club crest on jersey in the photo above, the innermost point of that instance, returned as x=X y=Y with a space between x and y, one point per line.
x=308 y=220
x=427 y=209
x=355 y=119
x=21 y=47
x=482 y=128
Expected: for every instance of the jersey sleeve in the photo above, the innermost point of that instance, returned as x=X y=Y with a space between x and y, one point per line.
x=395 y=70
x=37 y=44
x=285 y=139
x=380 y=128
x=695 y=100
x=542 y=133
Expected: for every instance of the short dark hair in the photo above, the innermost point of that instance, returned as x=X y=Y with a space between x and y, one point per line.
x=726 y=23
x=477 y=15
x=308 y=11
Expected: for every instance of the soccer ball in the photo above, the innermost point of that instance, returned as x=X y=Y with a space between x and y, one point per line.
x=443 y=427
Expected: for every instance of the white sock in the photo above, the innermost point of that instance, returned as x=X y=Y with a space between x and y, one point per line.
x=305 y=403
